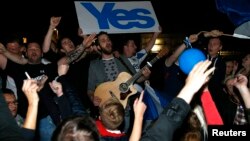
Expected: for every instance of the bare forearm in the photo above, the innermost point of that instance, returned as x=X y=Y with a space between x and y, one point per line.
x=76 y=54
x=151 y=43
x=16 y=58
x=47 y=40
x=169 y=61
x=186 y=94
x=245 y=94
x=137 y=129
x=84 y=54
x=31 y=116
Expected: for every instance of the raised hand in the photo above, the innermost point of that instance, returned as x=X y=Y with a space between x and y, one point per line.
x=56 y=88
x=193 y=38
x=41 y=81
x=139 y=106
x=195 y=80
x=213 y=33
x=54 y=21
x=62 y=69
x=139 y=110
x=30 y=89
x=88 y=40
x=198 y=75
x=146 y=72
x=240 y=81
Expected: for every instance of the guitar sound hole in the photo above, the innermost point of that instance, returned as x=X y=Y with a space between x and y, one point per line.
x=123 y=87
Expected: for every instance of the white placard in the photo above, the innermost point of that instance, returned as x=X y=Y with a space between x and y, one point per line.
x=116 y=17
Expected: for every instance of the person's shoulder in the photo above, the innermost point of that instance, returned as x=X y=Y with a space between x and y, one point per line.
x=95 y=61
x=143 y=50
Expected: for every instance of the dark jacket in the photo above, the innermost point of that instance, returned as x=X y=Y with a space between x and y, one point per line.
x=9 y=130
x=169 y=120
x=69 y=104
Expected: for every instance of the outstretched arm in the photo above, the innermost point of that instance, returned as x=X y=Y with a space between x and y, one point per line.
x=80 y=51
x=54 y=21
x=13 y=57
x=173 y=58
x=195 y=80
x=173 y=115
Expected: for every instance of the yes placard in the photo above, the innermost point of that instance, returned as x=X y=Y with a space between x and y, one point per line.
x=116 y=17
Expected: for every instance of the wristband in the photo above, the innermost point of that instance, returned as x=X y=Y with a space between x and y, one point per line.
x=187 y=42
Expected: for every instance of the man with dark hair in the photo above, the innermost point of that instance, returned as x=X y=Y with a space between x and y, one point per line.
x=12 y=103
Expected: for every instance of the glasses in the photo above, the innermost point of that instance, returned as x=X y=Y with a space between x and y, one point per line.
x=12 y=103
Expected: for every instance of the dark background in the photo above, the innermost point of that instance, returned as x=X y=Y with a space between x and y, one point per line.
x=31 y=19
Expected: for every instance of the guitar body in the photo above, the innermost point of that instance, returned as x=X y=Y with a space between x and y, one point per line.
x=123 y=87
x=111 y=89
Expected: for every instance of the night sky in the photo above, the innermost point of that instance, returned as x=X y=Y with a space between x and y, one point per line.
x=175 y=17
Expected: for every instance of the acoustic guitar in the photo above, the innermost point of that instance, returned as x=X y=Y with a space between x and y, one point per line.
x=122 y=88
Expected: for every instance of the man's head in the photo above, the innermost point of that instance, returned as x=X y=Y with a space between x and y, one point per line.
x=67 y=45
x=104 y=43
x=34 y=53
x=13 y=45
x=76 y=128
x=214 y=46
x=112 y=114
x=129 y=48
x=11 y=101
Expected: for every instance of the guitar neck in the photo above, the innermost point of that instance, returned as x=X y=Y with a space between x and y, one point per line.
x=139 y=73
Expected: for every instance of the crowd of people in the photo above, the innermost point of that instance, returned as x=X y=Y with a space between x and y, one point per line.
x=48 y=90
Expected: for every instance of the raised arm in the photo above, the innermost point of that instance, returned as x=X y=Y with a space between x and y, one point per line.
x=195 y=80
x=30 y=88
x=240 y=82
x=151 y=43
x=172 y=58
x=13 y=57
x=80 y=51
x=139 y=110
x=54 y=22
x=68 y=95
x=175 y=113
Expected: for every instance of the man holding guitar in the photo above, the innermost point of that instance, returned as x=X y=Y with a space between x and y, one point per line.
x=122 y=87
x=105 y=69
x=133 y=59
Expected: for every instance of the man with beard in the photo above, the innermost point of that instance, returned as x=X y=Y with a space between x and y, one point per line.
x=105 y=68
